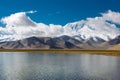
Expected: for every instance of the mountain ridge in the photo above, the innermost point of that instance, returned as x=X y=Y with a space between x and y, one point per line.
x=81 y=30
x=39 y=42
x=62 y=42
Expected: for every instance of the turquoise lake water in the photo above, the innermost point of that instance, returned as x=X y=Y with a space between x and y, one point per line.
x=49 y=66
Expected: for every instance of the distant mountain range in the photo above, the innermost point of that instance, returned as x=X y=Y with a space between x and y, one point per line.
x=62 y=42
x=77 y=35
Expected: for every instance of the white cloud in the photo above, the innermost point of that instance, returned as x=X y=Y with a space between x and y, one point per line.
x=55 y=30
x=31 y=12
x=112 y=16
x=96 y=27
x=19 y=26
x=18 y=20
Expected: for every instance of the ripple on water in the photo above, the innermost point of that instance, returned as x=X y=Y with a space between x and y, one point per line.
x=30 y=66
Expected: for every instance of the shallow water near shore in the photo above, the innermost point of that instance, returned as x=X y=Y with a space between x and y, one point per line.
x=50 y=66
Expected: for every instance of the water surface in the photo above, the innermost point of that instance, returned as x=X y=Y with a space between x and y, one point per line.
x=48 y=66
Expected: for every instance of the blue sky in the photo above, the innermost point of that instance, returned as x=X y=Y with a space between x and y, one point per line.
x=59 y=11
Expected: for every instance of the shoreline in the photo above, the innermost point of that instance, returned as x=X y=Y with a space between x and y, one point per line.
x=66 y=51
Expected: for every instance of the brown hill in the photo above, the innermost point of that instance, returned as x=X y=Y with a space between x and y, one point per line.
x=115 y=47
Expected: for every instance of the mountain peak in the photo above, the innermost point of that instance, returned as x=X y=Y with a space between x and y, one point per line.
x=93 y=28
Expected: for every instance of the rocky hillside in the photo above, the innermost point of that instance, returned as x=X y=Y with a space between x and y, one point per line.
x=63 y=42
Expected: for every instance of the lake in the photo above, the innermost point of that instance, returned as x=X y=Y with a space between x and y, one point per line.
x=50 y=66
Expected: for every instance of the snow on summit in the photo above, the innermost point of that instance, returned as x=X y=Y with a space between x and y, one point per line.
x=19 y=26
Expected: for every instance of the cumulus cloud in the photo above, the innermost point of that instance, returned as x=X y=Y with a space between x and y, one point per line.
x=18 y=20
x=19 y=26
x=112 y=16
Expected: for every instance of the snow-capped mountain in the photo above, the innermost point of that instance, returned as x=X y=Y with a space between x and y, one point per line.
x=85 y=30
x=81 y=30
x=19 y=26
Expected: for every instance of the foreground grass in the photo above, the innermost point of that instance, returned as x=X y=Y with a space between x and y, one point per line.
x=70 y=51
